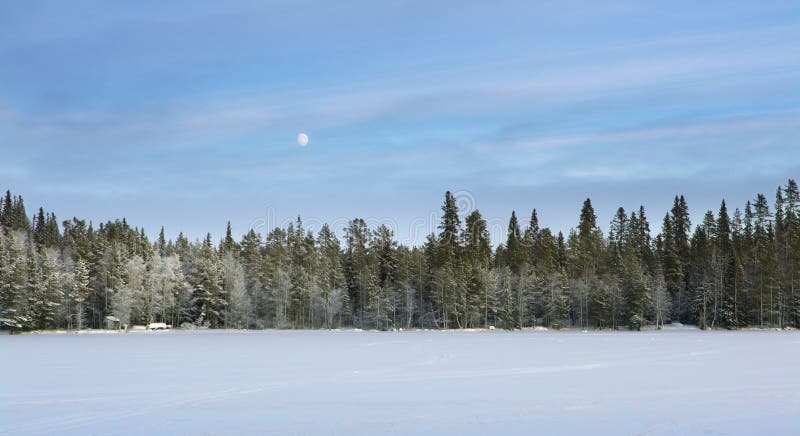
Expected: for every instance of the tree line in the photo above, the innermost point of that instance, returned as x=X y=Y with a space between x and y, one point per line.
x=728 y=271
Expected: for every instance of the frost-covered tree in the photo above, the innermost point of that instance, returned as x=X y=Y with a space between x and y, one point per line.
x=238 y=309
x=13 y=284
x=734 y=270
x=47 y=293
x=208 y=292
x=80 y=291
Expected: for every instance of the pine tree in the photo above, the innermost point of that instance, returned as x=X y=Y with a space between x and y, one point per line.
x=208 y=295
x=791 y=250
x=80 y=291
x=277 y=278
x=5 y=211
x=617 y=235
x=161 y=244
x=331 y=276
x=557 y=306
x=681 y=227
x=506 y=312
x=52 y=236
x=515 y=255
x=446 y=265
x=228 y=244
x=638 y=301
x=9 y=292
x=450 y=228
x=20 y=219
x=384 y=251
x=644 y=241
x=728 y=271
x=700 y=277
x=253 y=264
x=531 y=240
x=52 y=295
x=477 y=260
x=673 y=268
x=359 y=276
x=586 y=247
x=39 y=228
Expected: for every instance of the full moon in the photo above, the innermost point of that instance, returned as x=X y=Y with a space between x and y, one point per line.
x=302 y=139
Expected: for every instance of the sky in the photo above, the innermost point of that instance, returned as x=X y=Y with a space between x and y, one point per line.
x=185 y=114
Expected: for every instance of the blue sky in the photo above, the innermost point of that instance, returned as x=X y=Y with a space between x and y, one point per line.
x=185 y=114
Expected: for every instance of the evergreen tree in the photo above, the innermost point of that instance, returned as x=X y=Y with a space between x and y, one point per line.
x=6 y=211
x=49 y=295
x=208 y=294
x=331 y=277
x=253 y=264
x=228 y=244
x=238 y=306
x=11 y=285
x=477 y=261
x=734 y=271
x=638 y=301
x=506 y=313
x=80 y=292
x=161 y=244
x=557 y=303
x=360 y=277
x=446 y=267
x=39 y=228
x=450 y=228
x=515 y=254
x=587 y=253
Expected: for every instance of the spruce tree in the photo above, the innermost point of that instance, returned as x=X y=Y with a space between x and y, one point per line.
x=515 y=255
x=359 y=276
x=446 y=267
x=477 y=260
x=228 y=244
x=161 y=244
x=80 y=292
x=450 y=229
x=531 y=240
x=39 y=228
x=638 y=302
x=331 y=276
x=383 y=249
x=208 y=295
x=5 y=211
x=9 y=293
x=587 y=255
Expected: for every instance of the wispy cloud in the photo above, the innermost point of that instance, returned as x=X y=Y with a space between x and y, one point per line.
x=456 y=92
x=173 y=103
x=654 y=135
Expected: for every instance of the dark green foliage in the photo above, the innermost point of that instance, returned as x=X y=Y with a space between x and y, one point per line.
x=732 y=270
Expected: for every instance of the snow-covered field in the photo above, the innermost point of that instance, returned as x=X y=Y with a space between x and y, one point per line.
x=343 y=382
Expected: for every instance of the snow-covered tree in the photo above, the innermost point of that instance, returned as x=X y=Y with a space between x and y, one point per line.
x=238 y=309
x=80 y=291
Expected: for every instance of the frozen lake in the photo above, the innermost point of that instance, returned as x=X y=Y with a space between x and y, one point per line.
x=344 y=382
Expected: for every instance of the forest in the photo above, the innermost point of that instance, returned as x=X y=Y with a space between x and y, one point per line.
x=731 y=270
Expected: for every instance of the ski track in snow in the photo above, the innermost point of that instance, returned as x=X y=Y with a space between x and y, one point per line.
x=344 y=382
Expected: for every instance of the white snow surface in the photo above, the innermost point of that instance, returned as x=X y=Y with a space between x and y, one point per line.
x=678 y=381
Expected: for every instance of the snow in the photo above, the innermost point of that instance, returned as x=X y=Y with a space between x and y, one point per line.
x=432 y=382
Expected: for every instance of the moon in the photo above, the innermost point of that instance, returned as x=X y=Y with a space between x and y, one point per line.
x=302 y=139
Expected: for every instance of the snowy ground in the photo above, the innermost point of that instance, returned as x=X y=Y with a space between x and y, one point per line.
x=321 y=382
